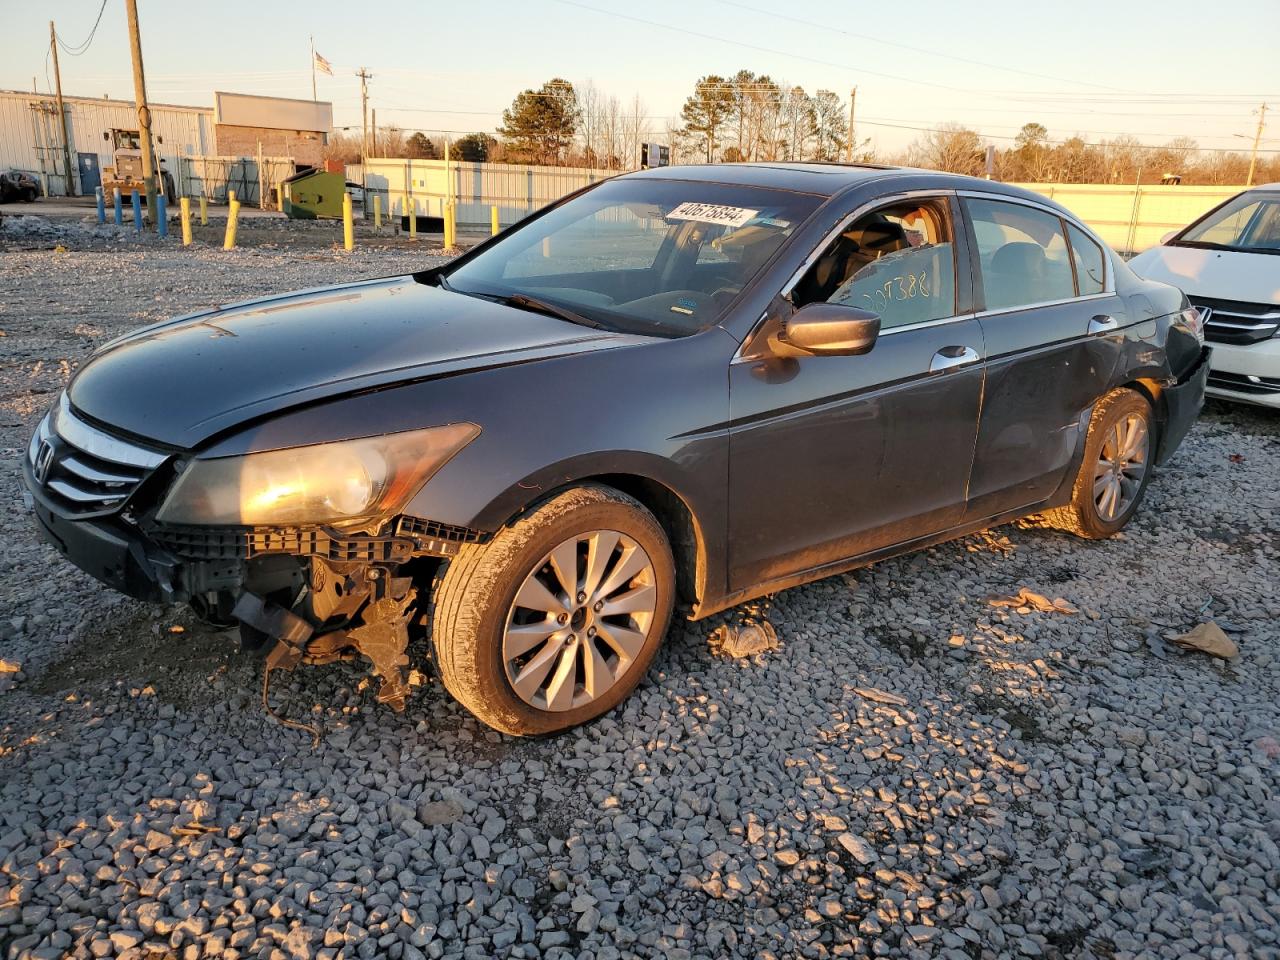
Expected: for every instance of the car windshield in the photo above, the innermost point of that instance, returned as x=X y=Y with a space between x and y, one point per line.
x=1250 y=222
x=662 y=257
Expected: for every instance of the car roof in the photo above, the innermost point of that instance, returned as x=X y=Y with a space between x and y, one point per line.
x=829 y=179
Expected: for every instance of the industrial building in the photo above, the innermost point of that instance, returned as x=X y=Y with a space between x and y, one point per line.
x=237 y=126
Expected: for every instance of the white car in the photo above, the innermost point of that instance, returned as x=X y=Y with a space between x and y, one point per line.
x=1228 y=265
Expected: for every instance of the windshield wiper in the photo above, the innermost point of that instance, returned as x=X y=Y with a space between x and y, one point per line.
x=525 y=302
x=1204 y=245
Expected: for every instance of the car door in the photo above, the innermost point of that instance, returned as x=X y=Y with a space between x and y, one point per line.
x=837 y=456
x=1049 y=318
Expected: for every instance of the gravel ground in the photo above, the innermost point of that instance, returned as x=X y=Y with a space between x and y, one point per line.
x=912 y=772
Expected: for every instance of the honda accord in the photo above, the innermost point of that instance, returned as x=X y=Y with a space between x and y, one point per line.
x=690 y=386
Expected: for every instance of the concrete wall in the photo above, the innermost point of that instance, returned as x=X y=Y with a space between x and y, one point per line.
x=1131 y=218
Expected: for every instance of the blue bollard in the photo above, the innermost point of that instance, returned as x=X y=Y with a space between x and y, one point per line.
x=162 y=216
x=119 y=207
x=137 y=212
x=102 y=206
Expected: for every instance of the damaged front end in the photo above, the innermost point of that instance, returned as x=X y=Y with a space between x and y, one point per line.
x=229 y=535
x=319 y=594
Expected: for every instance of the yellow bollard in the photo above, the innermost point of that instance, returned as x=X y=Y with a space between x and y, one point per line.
x=448 y=232
x=204 y=210
x=229 y=242
x=348 y=228
x=280 y=196
x=185 y=204
x=377 y=212
x=494 y=226
x=411 y=209
x=231 y=196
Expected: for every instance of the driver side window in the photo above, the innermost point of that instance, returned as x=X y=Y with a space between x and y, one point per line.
x=897 y=261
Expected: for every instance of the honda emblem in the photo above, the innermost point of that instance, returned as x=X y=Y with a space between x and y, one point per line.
x=43 y=461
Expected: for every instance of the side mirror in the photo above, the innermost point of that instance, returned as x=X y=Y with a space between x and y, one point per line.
x=829 y=329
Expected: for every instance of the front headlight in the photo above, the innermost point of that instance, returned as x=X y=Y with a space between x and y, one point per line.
x=345 y=480
x=1193 y=321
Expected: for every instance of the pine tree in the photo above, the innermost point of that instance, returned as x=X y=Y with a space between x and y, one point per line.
x=540 y=124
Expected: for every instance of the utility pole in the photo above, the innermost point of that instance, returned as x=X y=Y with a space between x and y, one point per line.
x=853 y=98
x=365 y=77
x=373 y=144
x=1257 y=139
x=62 y=114
x=144 y=112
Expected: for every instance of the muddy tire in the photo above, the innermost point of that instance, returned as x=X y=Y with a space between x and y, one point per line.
x=1115 y=470
x=556 y=619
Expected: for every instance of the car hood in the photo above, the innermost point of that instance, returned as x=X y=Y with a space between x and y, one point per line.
x=181 y=382
x=1220 y=274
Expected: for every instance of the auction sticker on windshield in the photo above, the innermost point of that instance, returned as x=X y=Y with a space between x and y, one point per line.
x=712 y=213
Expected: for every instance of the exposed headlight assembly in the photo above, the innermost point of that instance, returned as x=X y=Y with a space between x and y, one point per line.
x=323 y=483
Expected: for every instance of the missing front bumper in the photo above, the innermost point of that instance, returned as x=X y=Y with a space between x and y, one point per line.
x=1183 y=404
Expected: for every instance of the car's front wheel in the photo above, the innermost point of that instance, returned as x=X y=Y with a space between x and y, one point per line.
x=555 y=620
x=1116 y=468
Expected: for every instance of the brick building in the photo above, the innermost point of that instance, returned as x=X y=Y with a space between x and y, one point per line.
x=284 y=128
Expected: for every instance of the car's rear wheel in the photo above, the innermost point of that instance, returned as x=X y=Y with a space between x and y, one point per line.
x=29 y=195
x=555 y=620
x=1116 y=468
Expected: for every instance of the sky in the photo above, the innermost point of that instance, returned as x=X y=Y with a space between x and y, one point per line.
x=1154 y=69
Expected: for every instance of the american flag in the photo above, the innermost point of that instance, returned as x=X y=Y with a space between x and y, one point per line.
x=323 y=65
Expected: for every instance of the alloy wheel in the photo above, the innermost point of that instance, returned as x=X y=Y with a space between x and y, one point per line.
x=1122 y=463
x=579 y=620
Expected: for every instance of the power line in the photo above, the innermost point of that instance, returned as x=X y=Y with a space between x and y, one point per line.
x=906 y=46
x=758 y=48
x=82 y=48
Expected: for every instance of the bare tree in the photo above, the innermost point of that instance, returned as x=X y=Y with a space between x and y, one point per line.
x=635 y=131
x=832 y=134
x=951 y=147
x=799 y=123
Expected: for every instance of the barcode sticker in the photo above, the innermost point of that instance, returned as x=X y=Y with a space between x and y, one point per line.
x=712 y=213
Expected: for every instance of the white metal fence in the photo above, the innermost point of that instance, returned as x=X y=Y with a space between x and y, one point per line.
x=427 y=185
x=1131 y=218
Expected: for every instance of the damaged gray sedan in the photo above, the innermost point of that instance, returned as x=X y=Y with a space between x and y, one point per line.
x=688 y=385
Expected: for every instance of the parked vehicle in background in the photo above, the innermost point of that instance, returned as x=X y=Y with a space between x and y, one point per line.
x=18 y=185
x=1228 y=264
x=696 y=384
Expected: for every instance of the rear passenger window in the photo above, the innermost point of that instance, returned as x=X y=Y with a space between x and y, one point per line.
x=1090 y=273
x=1023 y=254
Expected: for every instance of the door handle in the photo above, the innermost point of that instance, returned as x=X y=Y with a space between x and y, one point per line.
x=952 y=358
x=1102 y=323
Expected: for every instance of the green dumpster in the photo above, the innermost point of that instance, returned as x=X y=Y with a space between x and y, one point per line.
x=313 y=194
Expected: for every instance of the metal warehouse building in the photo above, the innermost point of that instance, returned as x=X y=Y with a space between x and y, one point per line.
x=31 y=139
x=238 y=126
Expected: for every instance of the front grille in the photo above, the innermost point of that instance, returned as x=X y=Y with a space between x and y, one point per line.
x=1244 y=383
x=83 y=468
x=1238 y=322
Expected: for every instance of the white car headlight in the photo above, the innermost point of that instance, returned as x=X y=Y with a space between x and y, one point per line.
x=1193 y=321
x=327 y=482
